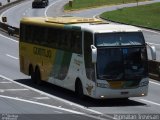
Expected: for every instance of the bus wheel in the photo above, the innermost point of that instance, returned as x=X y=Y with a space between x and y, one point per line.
x=79 y=90
x=38 y=76
x=33 y=77
x=32 y=74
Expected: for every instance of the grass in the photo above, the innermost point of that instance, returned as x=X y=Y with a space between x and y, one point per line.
x=81 y=4
x=146 y=16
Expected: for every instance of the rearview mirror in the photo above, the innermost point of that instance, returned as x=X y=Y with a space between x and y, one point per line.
x=94 y=54
x=153 y=51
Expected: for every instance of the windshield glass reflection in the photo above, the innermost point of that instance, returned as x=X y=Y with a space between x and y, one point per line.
x=121 y=63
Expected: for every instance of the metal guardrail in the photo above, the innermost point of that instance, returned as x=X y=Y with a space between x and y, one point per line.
x=9 y=29
x=154 y=69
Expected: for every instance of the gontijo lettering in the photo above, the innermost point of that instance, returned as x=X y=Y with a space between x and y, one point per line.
x=42 y=52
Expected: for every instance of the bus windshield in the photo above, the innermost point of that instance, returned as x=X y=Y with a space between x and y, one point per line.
x=119 y=39
x=121 y=63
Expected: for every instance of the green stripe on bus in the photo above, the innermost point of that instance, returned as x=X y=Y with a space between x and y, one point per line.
x=57 y=63
x=65 y=65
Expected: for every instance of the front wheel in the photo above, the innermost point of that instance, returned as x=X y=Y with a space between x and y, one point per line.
x=79 y=90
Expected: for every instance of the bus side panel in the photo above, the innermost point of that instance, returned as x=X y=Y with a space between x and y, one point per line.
x=60 y=67
x=65 y=65
x=57 y=64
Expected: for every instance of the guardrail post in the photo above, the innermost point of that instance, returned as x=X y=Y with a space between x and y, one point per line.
x=4 y=19
x=11 y=31
x=0 y=4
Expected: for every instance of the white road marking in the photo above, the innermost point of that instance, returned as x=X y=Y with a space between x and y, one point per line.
x=54 y=97
x=150 y=102
x=58 y=112
x=12 y=56
x=154 y=82
x=41 y=104
x=12 y=90
x=5 y=12
x=45 y=13
x=9 y=38
x=41 y=98
x=51 y=106
x=60 y=99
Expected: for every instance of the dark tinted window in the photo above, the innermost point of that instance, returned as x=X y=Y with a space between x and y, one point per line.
x=69 y=40
x=120 y=39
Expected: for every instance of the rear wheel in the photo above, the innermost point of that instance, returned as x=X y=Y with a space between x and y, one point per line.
x=32 y=74
x=33 y=77
x=38 y=76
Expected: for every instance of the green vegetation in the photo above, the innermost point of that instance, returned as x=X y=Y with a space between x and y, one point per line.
x=147 y=15
x=81 y=4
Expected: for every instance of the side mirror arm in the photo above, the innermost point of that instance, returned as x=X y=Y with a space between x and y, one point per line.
x=153 y=50
x=94 y=54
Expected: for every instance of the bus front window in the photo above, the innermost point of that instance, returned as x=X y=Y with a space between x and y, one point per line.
x=135 y=63
x=121 y=63
x=121 y=56
x=109 y=64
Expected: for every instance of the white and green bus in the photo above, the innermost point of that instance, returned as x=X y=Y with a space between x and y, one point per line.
x=85 y=55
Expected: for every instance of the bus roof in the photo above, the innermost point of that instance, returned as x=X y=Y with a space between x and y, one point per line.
x=60 y=20
x=101 y=28
x=87 y=24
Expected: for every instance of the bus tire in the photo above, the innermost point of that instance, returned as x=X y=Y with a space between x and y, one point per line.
x=32 y=74
x=33 y=78
x=79 y=89
x=38 y=76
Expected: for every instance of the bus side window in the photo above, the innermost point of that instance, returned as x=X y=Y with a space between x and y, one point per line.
x=35 y=34
x=61 y=41
x=68 y=40
x=45 y=34
x=76 y=42
x=51 y=37
x=29 y=33
x=39 y=35
x=79 y=42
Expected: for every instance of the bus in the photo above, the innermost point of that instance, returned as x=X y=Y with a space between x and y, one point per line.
x=85 y=55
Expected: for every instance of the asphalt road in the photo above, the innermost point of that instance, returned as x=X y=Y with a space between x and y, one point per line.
x=26 y=92
x=4 y=2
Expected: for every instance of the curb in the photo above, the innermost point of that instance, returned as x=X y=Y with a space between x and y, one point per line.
x=130 y=24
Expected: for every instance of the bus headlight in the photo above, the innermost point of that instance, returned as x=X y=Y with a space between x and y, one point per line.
x=102 y=85
x=145 y=83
